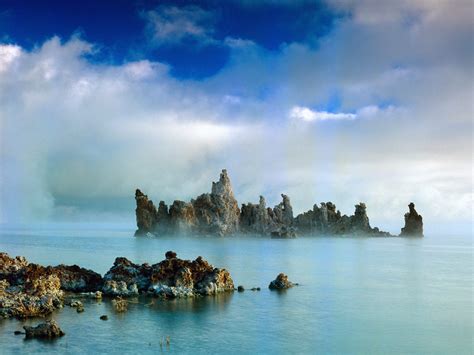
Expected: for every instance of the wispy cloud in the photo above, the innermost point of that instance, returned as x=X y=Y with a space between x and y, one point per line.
x=308 y=115
x=167 y=25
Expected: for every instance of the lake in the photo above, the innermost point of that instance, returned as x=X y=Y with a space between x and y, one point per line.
x=356 y=295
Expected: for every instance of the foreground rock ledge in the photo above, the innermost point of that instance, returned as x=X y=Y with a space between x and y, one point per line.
x=218 y=213
x=32 y=290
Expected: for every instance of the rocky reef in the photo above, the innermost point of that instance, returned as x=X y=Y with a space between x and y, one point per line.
x=170 y=278
x=32 y=290
x=218 y=213
x=413 y=223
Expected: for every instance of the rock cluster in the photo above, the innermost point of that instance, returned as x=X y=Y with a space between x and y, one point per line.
x=280 y=283
x=48 y=330
x=27 y=290
x=327 y=220
x=170 y=278
x=218 y=213
x=413 y=223
x=31 y=290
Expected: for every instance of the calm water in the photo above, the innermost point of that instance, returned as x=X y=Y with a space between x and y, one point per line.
x=357 y=296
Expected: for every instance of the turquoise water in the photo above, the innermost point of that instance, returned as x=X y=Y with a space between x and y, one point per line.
x=356 y=296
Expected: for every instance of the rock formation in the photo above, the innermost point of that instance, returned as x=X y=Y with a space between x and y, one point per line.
x=31 y=290
x=214 y=213
x=172 y=277
x=48 y=330
x=413 y=223
x=218 y=213
x=280 y=283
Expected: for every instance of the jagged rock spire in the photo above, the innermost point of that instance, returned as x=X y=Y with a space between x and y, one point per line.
x=413 y=223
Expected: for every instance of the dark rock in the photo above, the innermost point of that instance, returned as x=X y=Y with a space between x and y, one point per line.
x=170 y=255
x=146 y=213
x=47 y=330
x=18 y=332
x=126 y=278
x=240 y=289
x=413 y=223
x=184 y=278
x=104 y=317
x=280 y=283
x=172 y=277
x=77 y=279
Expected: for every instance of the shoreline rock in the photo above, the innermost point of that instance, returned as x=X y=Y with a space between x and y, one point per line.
x=218 y=213
x=31 y=290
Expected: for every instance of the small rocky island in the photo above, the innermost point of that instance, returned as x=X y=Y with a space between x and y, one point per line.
x=32 y=290
x=218 y=213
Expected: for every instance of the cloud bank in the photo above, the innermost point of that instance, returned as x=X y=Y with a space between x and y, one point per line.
x=393 y=124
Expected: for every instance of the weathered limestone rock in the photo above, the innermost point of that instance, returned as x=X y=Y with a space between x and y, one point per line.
x=413 y=223
x=218 y=213
x=280 y=283
x=27 y=290
x=77 y=279
x=146 y=213
x=254 y=218
x=48 y=330
x=175 y=277
x=172 y=277
x=126 y=278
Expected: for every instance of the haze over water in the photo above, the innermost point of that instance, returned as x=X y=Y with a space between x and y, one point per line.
x=356 y=295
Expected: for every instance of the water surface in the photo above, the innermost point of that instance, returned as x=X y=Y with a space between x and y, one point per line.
x=356 y=295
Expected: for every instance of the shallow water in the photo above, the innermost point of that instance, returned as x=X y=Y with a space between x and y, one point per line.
x=356 y=295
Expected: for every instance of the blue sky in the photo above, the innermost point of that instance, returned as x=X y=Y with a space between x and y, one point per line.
x=123 y=28
x=343 y=100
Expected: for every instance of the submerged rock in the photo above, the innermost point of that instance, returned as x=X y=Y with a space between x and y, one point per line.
x=280 y=283
x=48 y=330
x=413 y=223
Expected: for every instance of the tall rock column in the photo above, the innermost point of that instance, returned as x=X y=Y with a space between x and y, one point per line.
x=146 y=213
x=227 y=208
x=413 y=223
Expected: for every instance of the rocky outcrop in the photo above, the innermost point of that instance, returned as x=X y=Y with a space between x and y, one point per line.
x=217 y=213
x=27 y=290
x=214 y=213
x=280 y=283
x=48 y=330
x=170 y=278
x=413 y=223
x=31 y=290
x=77 y=279
x=146 y=213
x=326 y=220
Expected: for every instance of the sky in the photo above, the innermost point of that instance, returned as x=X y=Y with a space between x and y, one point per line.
x=331 y=100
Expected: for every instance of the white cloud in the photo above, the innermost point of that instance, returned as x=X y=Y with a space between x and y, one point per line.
x=371 y=111
x=308 y=115
x=8 y=54
x=74 y=131
x=170 y=24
